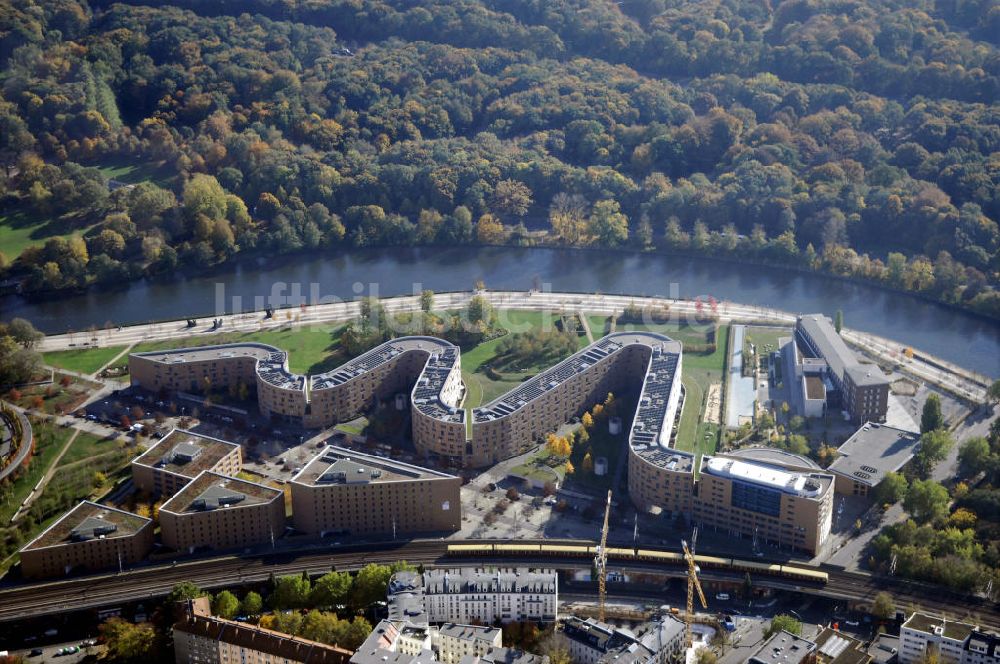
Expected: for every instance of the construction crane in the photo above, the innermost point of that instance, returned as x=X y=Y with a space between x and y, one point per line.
x=601 y=562
x=693 y=585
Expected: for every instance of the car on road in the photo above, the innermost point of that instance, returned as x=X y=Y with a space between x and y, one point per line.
x=722 y=597
x=35 y=652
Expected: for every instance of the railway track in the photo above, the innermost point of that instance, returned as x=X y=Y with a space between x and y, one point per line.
x=143 y=583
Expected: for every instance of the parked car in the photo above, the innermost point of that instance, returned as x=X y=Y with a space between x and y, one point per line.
x=722 y=597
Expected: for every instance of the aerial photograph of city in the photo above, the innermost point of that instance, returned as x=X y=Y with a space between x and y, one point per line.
x=500 y=331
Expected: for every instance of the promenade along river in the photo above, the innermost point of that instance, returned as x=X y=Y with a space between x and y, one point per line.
x=967 y=340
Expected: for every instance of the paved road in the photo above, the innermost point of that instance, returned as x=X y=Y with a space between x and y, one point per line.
x=966 y=384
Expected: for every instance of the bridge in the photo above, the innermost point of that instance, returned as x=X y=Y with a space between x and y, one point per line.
x=150 y=582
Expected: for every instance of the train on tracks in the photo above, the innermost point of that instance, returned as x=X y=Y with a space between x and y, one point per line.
x=798 y=573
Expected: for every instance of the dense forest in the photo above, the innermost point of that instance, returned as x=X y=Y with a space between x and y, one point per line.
x=857 y=138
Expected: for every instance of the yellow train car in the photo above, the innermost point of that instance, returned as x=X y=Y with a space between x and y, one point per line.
x=469 y=549
x=667 y=557
x=803 y=574
x=517 y=548
x=569 y=550
x=620 y=553
x=713 y=562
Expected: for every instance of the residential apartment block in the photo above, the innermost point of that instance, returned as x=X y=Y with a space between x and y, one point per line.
x=179 y=457
x=429 y=371
x=401 y=642
x=785 y=648
x=923 y=634
x=90 y=537
x=220 y=512
x=201 y=638
x=593 y=642
x=342 y=491
x=481 y=596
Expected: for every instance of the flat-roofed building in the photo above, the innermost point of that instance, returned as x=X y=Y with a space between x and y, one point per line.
x=785 y=648
x=468 y=595
x=872 y=452
x=787 y=508
x=179 y=457
x=923 y=634
x=201 y=638
x=342 y=491
x=89 y=537
x=863 y=388
x=221 y=512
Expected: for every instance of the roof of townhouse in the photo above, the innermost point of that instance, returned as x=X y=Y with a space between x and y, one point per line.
x=254 y=638
x=211 y=491
x=469 y=632
x=89 y=521
x=783 y=648
x=186 y=453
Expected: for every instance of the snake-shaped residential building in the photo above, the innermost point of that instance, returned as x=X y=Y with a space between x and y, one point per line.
x=429 y=370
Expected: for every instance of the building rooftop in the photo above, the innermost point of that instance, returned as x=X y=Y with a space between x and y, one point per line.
x=252 y=637
x=504 y=656
x=811 y=485
x=469 y=632
x=468 y=580
x=89 y=521
x=593 y=634
x=215 y=352
x=571 y=366
x=783 y=648
x=825 y=342
x=337 y=465
x=951 y=629
x=873 y=451
x=774 y=456
x=406 y=598
x=983 y=643
x=186 y=453
x=834 y=647
x=210 y=491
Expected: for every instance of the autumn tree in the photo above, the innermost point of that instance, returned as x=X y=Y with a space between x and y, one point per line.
x=608 y=224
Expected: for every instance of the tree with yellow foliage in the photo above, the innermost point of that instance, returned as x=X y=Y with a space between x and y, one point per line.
x=588 y=463
x=489 y=230
x=588 y=420
x=569 y=467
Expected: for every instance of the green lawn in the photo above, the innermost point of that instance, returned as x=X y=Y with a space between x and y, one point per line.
x=133 y=173
x=48 y=441
x=20 y=230
x=311 y=348
x=88 y=446
x=82 y=360
x=698 y=372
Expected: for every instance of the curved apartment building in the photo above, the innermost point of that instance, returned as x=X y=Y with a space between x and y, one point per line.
x=788 y=508
x=429 y=369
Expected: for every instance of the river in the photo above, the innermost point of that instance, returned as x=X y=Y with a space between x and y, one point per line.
x=962 y=338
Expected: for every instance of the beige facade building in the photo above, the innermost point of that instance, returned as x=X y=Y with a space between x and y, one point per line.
x=201 y=638
x=453 y=641
x=428 y=370
x=220 y=512
x=467 y=595
x=773 y=504
x=179 y=457
x=342 y=491
x=90 y=537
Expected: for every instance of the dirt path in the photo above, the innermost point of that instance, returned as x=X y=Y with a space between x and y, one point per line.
x=586 y=326
x=114 y=359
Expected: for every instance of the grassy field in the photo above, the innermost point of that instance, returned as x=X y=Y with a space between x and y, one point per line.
x=311 y=348
x=88 y=446
x=766 y=338
x=133 y=173
x=698 y=372
x=82 y=360
x=20 y=230
x=48 y=441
